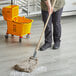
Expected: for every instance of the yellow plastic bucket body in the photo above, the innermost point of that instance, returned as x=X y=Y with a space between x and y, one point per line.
x=9 y=12
x=18 y=28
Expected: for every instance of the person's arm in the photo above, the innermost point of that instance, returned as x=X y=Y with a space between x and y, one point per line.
x=48 y=3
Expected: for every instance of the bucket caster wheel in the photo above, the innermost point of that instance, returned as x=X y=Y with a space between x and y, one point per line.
x=12 y=35
x=6 y=36
x=28 y=36
x=20 y=39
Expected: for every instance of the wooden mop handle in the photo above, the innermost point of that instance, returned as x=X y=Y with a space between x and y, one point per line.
x=44 y=30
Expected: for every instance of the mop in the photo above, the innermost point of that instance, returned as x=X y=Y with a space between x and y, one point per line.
x=29 y=64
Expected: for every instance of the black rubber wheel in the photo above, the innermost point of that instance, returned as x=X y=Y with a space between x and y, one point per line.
x=12 y=35
x=20 y=40
x=6 y=36
x=27 y=36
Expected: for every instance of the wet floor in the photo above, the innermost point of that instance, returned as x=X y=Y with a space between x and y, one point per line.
x=61 y=62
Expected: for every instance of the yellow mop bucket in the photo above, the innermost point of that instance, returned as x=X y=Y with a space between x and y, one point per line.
x=9 y=12
x=20 y=26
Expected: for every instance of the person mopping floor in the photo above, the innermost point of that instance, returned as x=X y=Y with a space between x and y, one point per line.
x=29 y=64
x=55 y=19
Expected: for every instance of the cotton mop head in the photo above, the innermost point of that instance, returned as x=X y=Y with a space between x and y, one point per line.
x=27 y=65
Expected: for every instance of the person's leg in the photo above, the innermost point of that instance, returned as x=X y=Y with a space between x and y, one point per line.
x=48 y=31
x=56 y=19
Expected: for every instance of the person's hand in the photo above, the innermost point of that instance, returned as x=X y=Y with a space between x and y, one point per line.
x=50 y=9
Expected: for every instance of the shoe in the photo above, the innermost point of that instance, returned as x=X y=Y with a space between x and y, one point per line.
x=56 y=45
x=45 y=46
